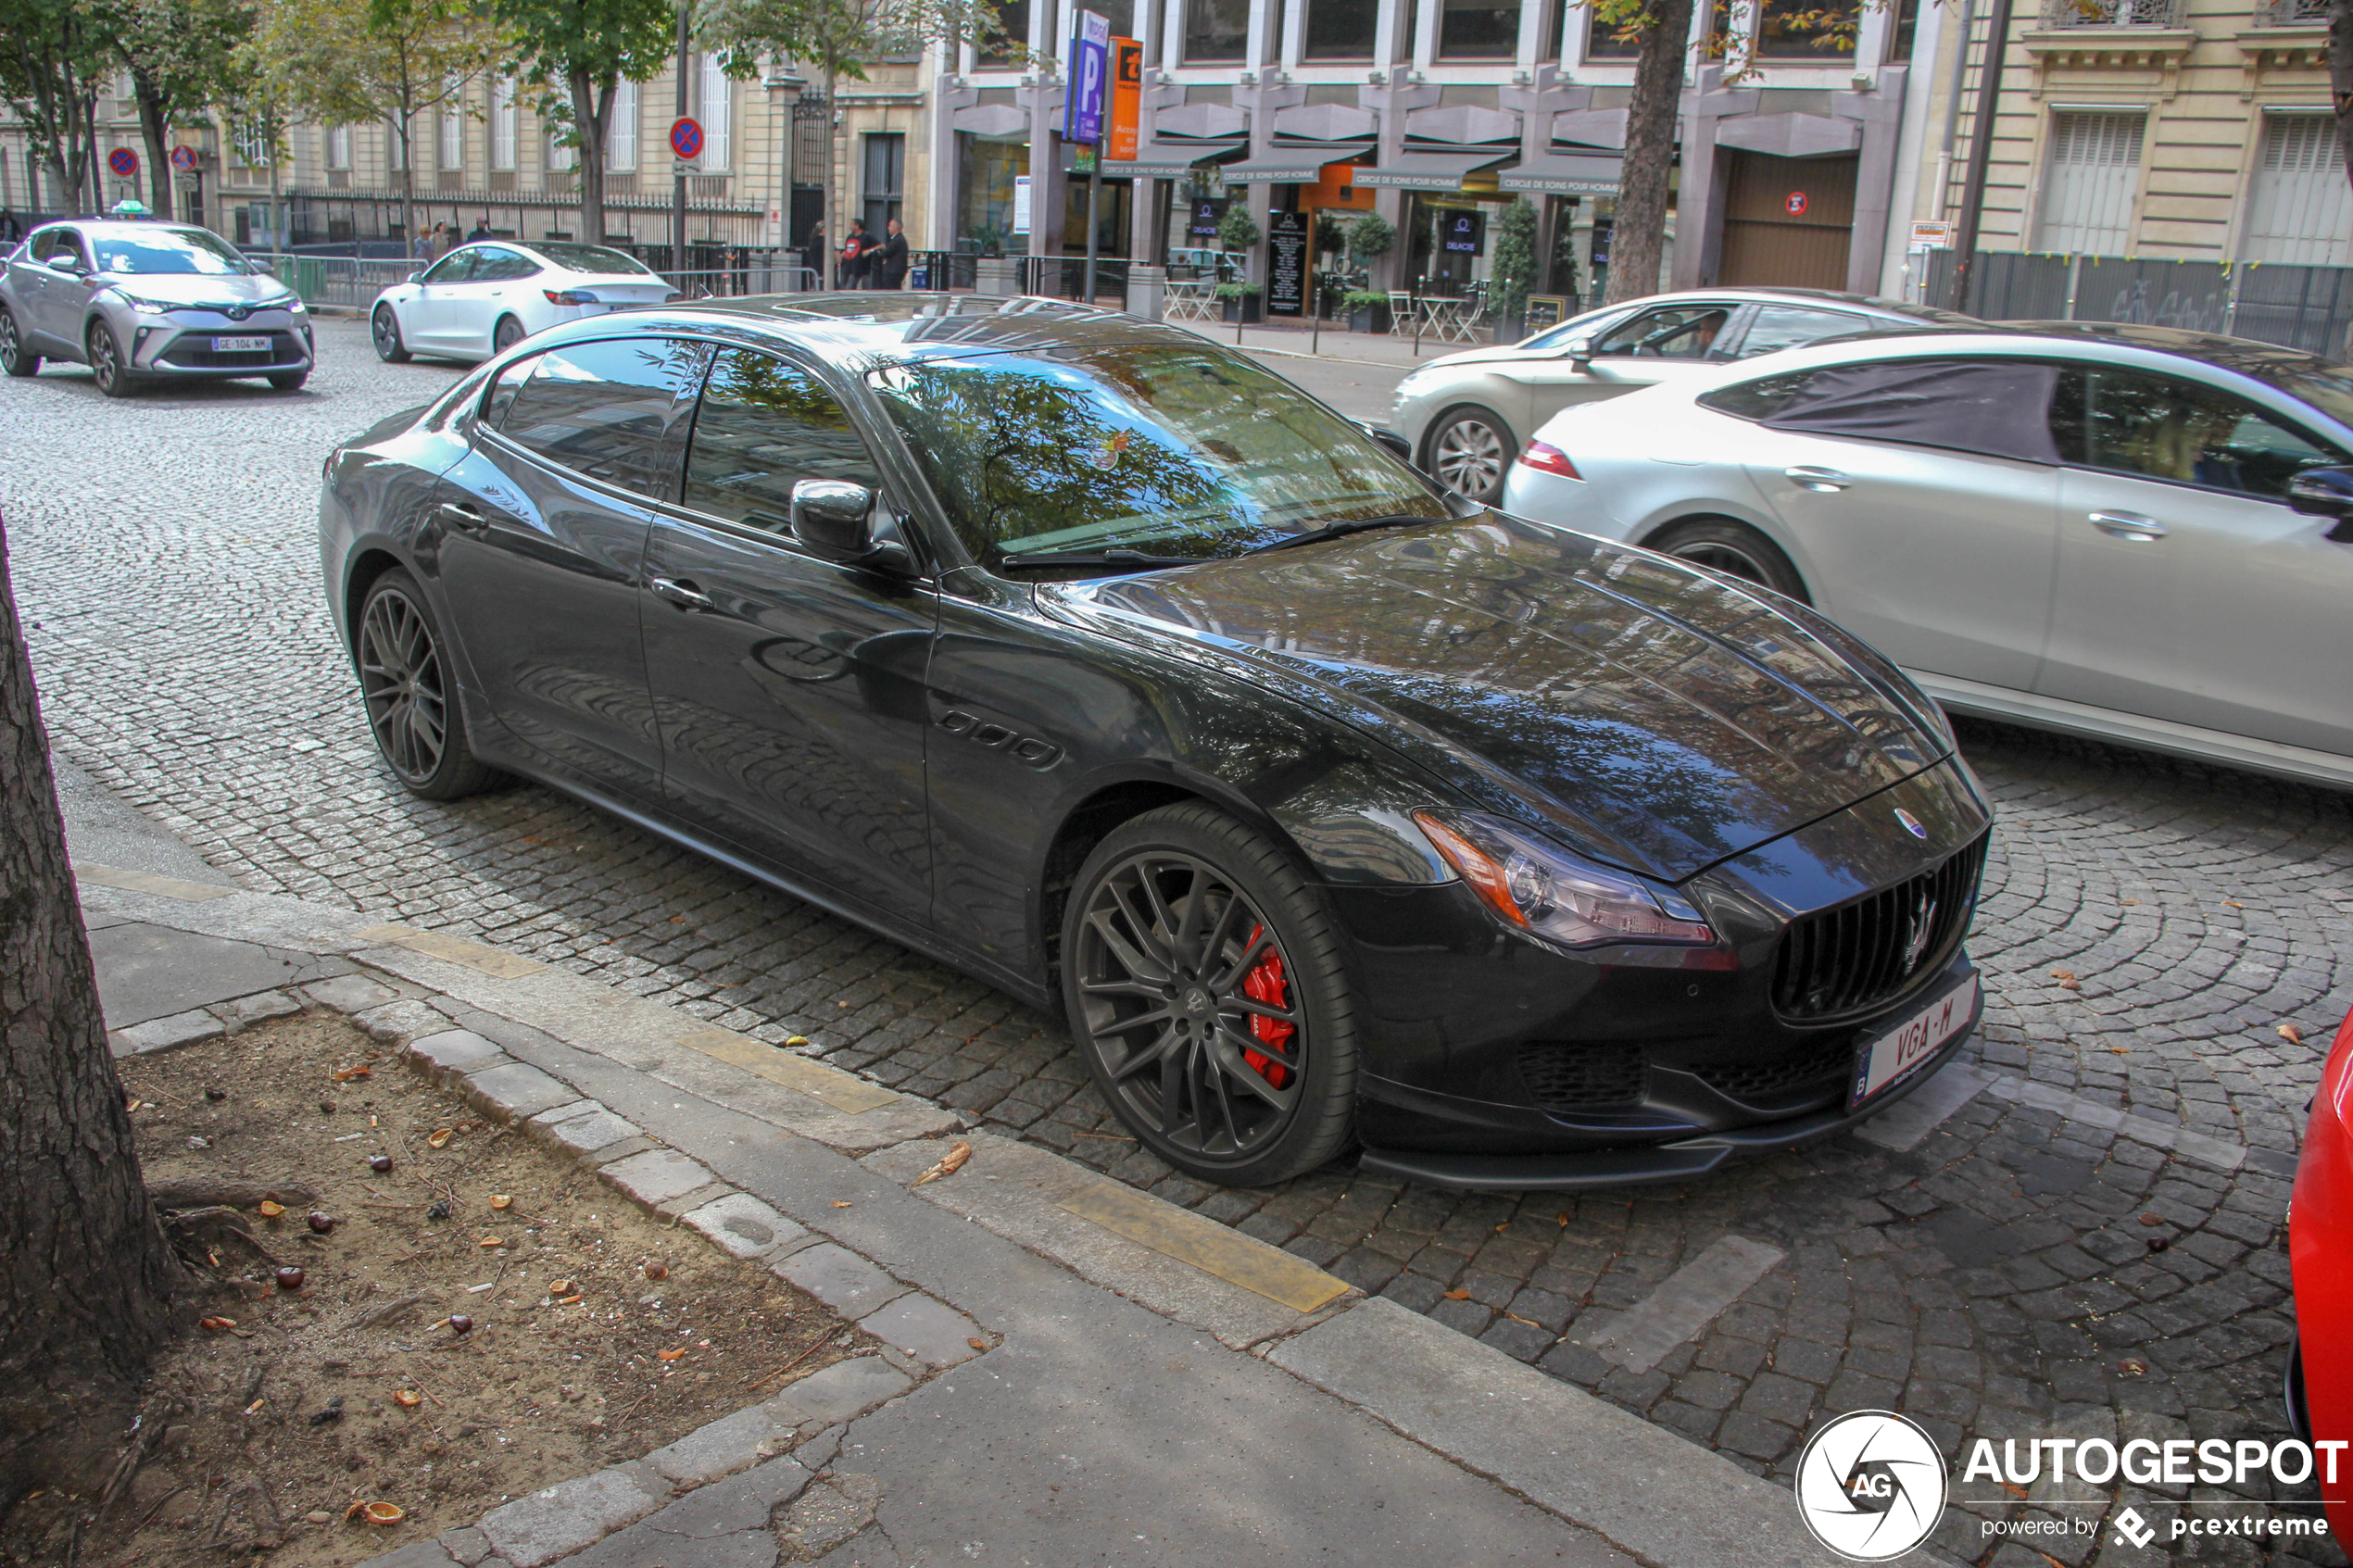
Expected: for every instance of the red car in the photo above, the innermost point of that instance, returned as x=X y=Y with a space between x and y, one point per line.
x=2320 y=1370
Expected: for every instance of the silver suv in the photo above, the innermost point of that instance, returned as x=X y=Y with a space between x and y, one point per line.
x=148 y=302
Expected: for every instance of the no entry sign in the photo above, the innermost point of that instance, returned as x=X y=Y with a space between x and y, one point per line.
x=123 y=162
x=686 y=140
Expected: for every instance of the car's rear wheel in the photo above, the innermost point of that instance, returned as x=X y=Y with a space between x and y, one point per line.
x=1733 y=548
x=113 y=378
x=508 y=334
x=412 y=693
x=1203 y=980
x=15 y=358
x=1470 y=451
x=383 y=330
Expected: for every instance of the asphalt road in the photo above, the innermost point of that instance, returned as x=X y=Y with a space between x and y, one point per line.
x=1997 y=1279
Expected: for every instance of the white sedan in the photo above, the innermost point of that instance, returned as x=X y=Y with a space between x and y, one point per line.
x=483 y=298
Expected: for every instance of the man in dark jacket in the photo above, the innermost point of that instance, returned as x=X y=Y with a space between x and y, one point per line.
x=889 y=263
x=812 y=256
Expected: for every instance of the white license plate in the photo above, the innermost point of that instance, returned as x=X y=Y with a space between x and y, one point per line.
x=1892 y=1058
x=241 y=346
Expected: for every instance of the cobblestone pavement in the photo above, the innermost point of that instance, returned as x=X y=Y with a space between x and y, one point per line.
x=2148 y=928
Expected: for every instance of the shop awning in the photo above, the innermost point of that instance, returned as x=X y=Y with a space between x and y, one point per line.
x=1168 y=160
x=1566 y=174
x=1430 y=171
x=1284 y=167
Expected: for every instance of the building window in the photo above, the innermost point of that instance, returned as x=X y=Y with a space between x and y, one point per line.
x=1216 y=31
x=561 y=156
x=985 y=188
x=502 y=123
x=1478 y=29
x=2299 y=209
x=1602 y=42
x=2089 y=183
x=1903 y=21
x=251 y=145
x=1013 y=17
x=718 y=98
x=451 y=154
x=1340 y=29
x=339 y=146
x=1798 y=31
x=396 y=146
x=885 y=174
x=620 y=127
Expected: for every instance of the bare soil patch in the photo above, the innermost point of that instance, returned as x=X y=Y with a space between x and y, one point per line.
x=597 y=1334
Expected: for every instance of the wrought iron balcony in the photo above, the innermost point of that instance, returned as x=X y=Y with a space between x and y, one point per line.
x=2071 y=14
x=2293 y=13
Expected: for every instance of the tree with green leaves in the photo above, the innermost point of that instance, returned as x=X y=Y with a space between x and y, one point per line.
x=54 y=57
x=347 y=62
x=181 y=55
x=837 y=39
x=1514 y=269
x=573 y=55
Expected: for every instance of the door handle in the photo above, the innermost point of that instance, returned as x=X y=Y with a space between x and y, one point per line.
x=460 y=515
x=1806 y=477
x=685 y=596
x=2131 y=526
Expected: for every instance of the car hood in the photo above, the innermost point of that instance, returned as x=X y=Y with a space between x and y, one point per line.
x=1652 y=714
x=198 y=288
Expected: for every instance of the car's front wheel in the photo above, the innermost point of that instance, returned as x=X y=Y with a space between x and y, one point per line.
x=1470 y=450
x=113 y=378
x=290 y=381
x=15 y=358
x=1203 y=978
x=508 y=334
x=412 y=693
x=383 y=330
x=1733 y=548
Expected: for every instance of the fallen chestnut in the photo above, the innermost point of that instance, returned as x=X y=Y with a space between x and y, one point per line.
x=380 y=1163
x=290 y=1278
x=319 y=1222
x=656 y=1269
x=460 y=1323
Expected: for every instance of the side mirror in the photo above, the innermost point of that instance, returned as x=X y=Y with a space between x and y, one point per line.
x=1579 y=351
x=416 y=276
x=834 y=520
x=2325 y=493
x=1394 y=442
x=67 y=263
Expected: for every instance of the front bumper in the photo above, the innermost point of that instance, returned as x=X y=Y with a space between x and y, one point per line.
x=180 y=344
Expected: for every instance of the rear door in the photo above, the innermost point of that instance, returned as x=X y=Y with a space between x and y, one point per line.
x=2188 y=590
x=1665 y=343
x=498 y=288
x=1921 y=496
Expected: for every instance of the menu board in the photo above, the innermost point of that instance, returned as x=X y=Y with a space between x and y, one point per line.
x=1287 y=270
x=1545 y=310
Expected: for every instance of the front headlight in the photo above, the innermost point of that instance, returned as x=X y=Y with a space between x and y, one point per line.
x=1545 y=891
x=147 y=307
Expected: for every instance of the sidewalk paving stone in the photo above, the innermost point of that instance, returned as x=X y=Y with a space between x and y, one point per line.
x=840 y=1392
x=935 y=1334
x=744 y=1226
x=166 y=1033
x=514 y=1092
x=657 y=1175
x=559 y=1520
x=842 y=1279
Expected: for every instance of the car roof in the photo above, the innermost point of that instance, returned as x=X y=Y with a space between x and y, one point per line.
x=1928 y=313
x=870 y=328
x=100 y=228
x=2243 y=356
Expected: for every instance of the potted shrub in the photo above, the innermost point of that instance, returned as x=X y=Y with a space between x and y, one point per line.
x=1514 y=269
x=1241 y=303
x=1368 y=310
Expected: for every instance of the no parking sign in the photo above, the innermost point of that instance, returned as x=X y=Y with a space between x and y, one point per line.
x=185 y=160
x=123 y=162
x=686 y=139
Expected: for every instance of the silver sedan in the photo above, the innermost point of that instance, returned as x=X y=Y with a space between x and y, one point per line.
x=2130 y=532
x=1464 y=416
x=143 y=303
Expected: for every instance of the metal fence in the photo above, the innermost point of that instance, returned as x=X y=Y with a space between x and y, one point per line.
x=2307 y=308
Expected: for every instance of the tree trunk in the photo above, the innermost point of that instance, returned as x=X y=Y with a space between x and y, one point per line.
x=1639 y=239
x=591 y=112
x=152 y=112
x=83 y=1299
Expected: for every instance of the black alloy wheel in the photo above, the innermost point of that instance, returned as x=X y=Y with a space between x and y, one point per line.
x=1734 y=548
x=1203 y=982
x=508 y=334
x=106 y=367
x=1470 y=451
x=383 y=330
x=15 y=358
x=410 y=695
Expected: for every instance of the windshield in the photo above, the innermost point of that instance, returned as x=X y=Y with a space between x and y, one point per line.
x=1179 y=453
x=592 y=259
x=154 y=253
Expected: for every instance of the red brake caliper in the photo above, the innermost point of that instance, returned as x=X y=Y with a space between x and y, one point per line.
x=1266 y=983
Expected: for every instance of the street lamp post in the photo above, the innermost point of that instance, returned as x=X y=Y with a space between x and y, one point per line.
x=678 y=165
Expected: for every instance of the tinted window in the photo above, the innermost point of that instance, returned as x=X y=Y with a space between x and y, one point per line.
x=502 y=396
x=764 y=426
x=1674 y=332
x=592 y=258
x=1786 y=326
x=2000 y=408
x=497 y=265
x=455 y=267
x=57 y=242
x=152 y=251
x=606 y=409
x=2155 y=426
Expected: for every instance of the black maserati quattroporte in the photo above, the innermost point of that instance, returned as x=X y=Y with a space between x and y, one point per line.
x=1098 y=661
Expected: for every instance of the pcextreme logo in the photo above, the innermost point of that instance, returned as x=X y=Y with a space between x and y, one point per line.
x=1870 y=1486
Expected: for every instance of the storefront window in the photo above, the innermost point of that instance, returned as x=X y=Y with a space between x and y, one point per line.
x=1806 y=30
x=1216 y=31
x=1478 y=29
x=1448 y=248
x=984 y=191
x=1903 y=21
x=1602 y=42
x=1340 y=29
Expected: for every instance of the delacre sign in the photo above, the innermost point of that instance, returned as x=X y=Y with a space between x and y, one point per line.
x=1287 y=270
x=1464 y=232
x=1089 y=79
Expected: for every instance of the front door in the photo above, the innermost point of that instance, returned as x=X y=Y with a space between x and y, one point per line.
x=1666 y=343
x=545 y=547
x=64 y=299
x=2188 y=590
x=1788 y=222
x=789 y=689
x=436 y=316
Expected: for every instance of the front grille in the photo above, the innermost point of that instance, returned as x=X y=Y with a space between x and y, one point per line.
x=1845 y=959
x=1563 y=1078
x=1763 y=1080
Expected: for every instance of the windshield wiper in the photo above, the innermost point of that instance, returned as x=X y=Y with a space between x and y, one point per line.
x=1337 y=531
x=1094 y=558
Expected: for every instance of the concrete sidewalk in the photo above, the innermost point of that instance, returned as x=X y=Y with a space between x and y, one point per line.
x=1334 y=342
x=1154 y=1389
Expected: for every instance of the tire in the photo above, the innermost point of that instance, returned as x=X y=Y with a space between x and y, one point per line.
x=383 y=327
x=409 y=692
x=506 y=334
x=1164 y=983
x=1733 y=548
x=15 y=358
x=290 y=381
x=1470 y=451
x=106 y=363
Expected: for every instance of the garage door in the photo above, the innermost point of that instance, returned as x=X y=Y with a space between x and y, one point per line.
x=1787 y=220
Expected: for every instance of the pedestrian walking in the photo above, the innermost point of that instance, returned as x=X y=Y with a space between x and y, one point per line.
x=890 y=257
x=812 y=256
x=11 y=230
x=854 y=255
x=481 y=230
